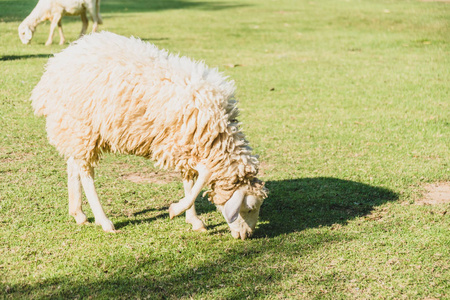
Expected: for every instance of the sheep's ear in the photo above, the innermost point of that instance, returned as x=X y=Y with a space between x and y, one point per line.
x=233 y=206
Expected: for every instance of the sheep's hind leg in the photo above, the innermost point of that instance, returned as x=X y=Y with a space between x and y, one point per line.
x=87 y=180
x=191 y=214
x=74 y=187
x=97 y=12
x=184 y=204
x=85 y=22
x=94 y=11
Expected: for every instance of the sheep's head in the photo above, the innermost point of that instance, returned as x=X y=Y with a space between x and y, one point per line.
x=241 y=211
x=25 y=33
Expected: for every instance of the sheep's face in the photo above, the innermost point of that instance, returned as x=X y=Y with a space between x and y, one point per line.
x=241 y=212
x=25 y=34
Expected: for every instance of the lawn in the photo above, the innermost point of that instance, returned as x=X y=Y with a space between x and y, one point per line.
x=346 y=102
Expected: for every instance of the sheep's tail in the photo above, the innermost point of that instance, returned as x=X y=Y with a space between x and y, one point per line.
x=97 y=11
x=39 y=97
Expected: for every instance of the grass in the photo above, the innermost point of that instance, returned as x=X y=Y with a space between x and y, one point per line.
x=347 y=103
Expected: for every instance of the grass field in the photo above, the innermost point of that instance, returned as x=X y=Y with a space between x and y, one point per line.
x=347 y=104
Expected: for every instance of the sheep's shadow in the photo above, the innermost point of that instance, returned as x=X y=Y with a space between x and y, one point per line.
x=154 y=39
x=163 y=213
x=202 y=206
x=27 y=56
x=297 y=204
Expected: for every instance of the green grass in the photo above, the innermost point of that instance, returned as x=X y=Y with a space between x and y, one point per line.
x=347 y=103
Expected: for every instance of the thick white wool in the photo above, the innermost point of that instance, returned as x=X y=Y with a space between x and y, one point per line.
x=107 y=92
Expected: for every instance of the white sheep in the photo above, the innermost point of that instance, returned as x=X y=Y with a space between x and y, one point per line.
x=54 y=10
x=107 y=92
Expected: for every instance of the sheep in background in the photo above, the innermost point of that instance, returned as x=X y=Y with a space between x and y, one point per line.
x=54 y=10
x=107 y=92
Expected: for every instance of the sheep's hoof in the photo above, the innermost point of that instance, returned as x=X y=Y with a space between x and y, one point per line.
x=197 y=225
x=172 y=213
x=48 y=43
x=107 y=226
x=199 y=229
x=80 y=218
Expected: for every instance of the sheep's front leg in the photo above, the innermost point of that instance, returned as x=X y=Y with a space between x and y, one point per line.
x=74 y=187
x=55 y=21
x=191 y=214
x=62 y=39
x=87 y=180
x=176 y=209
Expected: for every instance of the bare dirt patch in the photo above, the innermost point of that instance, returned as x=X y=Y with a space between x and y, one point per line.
x=159 y=177
x=435 y=193
x=264 y=168
x=8 y=156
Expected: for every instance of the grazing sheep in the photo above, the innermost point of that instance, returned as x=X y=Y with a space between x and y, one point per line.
x=107 y=92
x=54 y=10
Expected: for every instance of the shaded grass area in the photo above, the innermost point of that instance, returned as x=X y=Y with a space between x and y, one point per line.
x=345 y=102
x=155 y=6
x=139 y=279
x=16 y=11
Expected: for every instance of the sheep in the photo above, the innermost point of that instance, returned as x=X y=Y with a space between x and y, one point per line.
x=109 y=93
x=54 y=10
